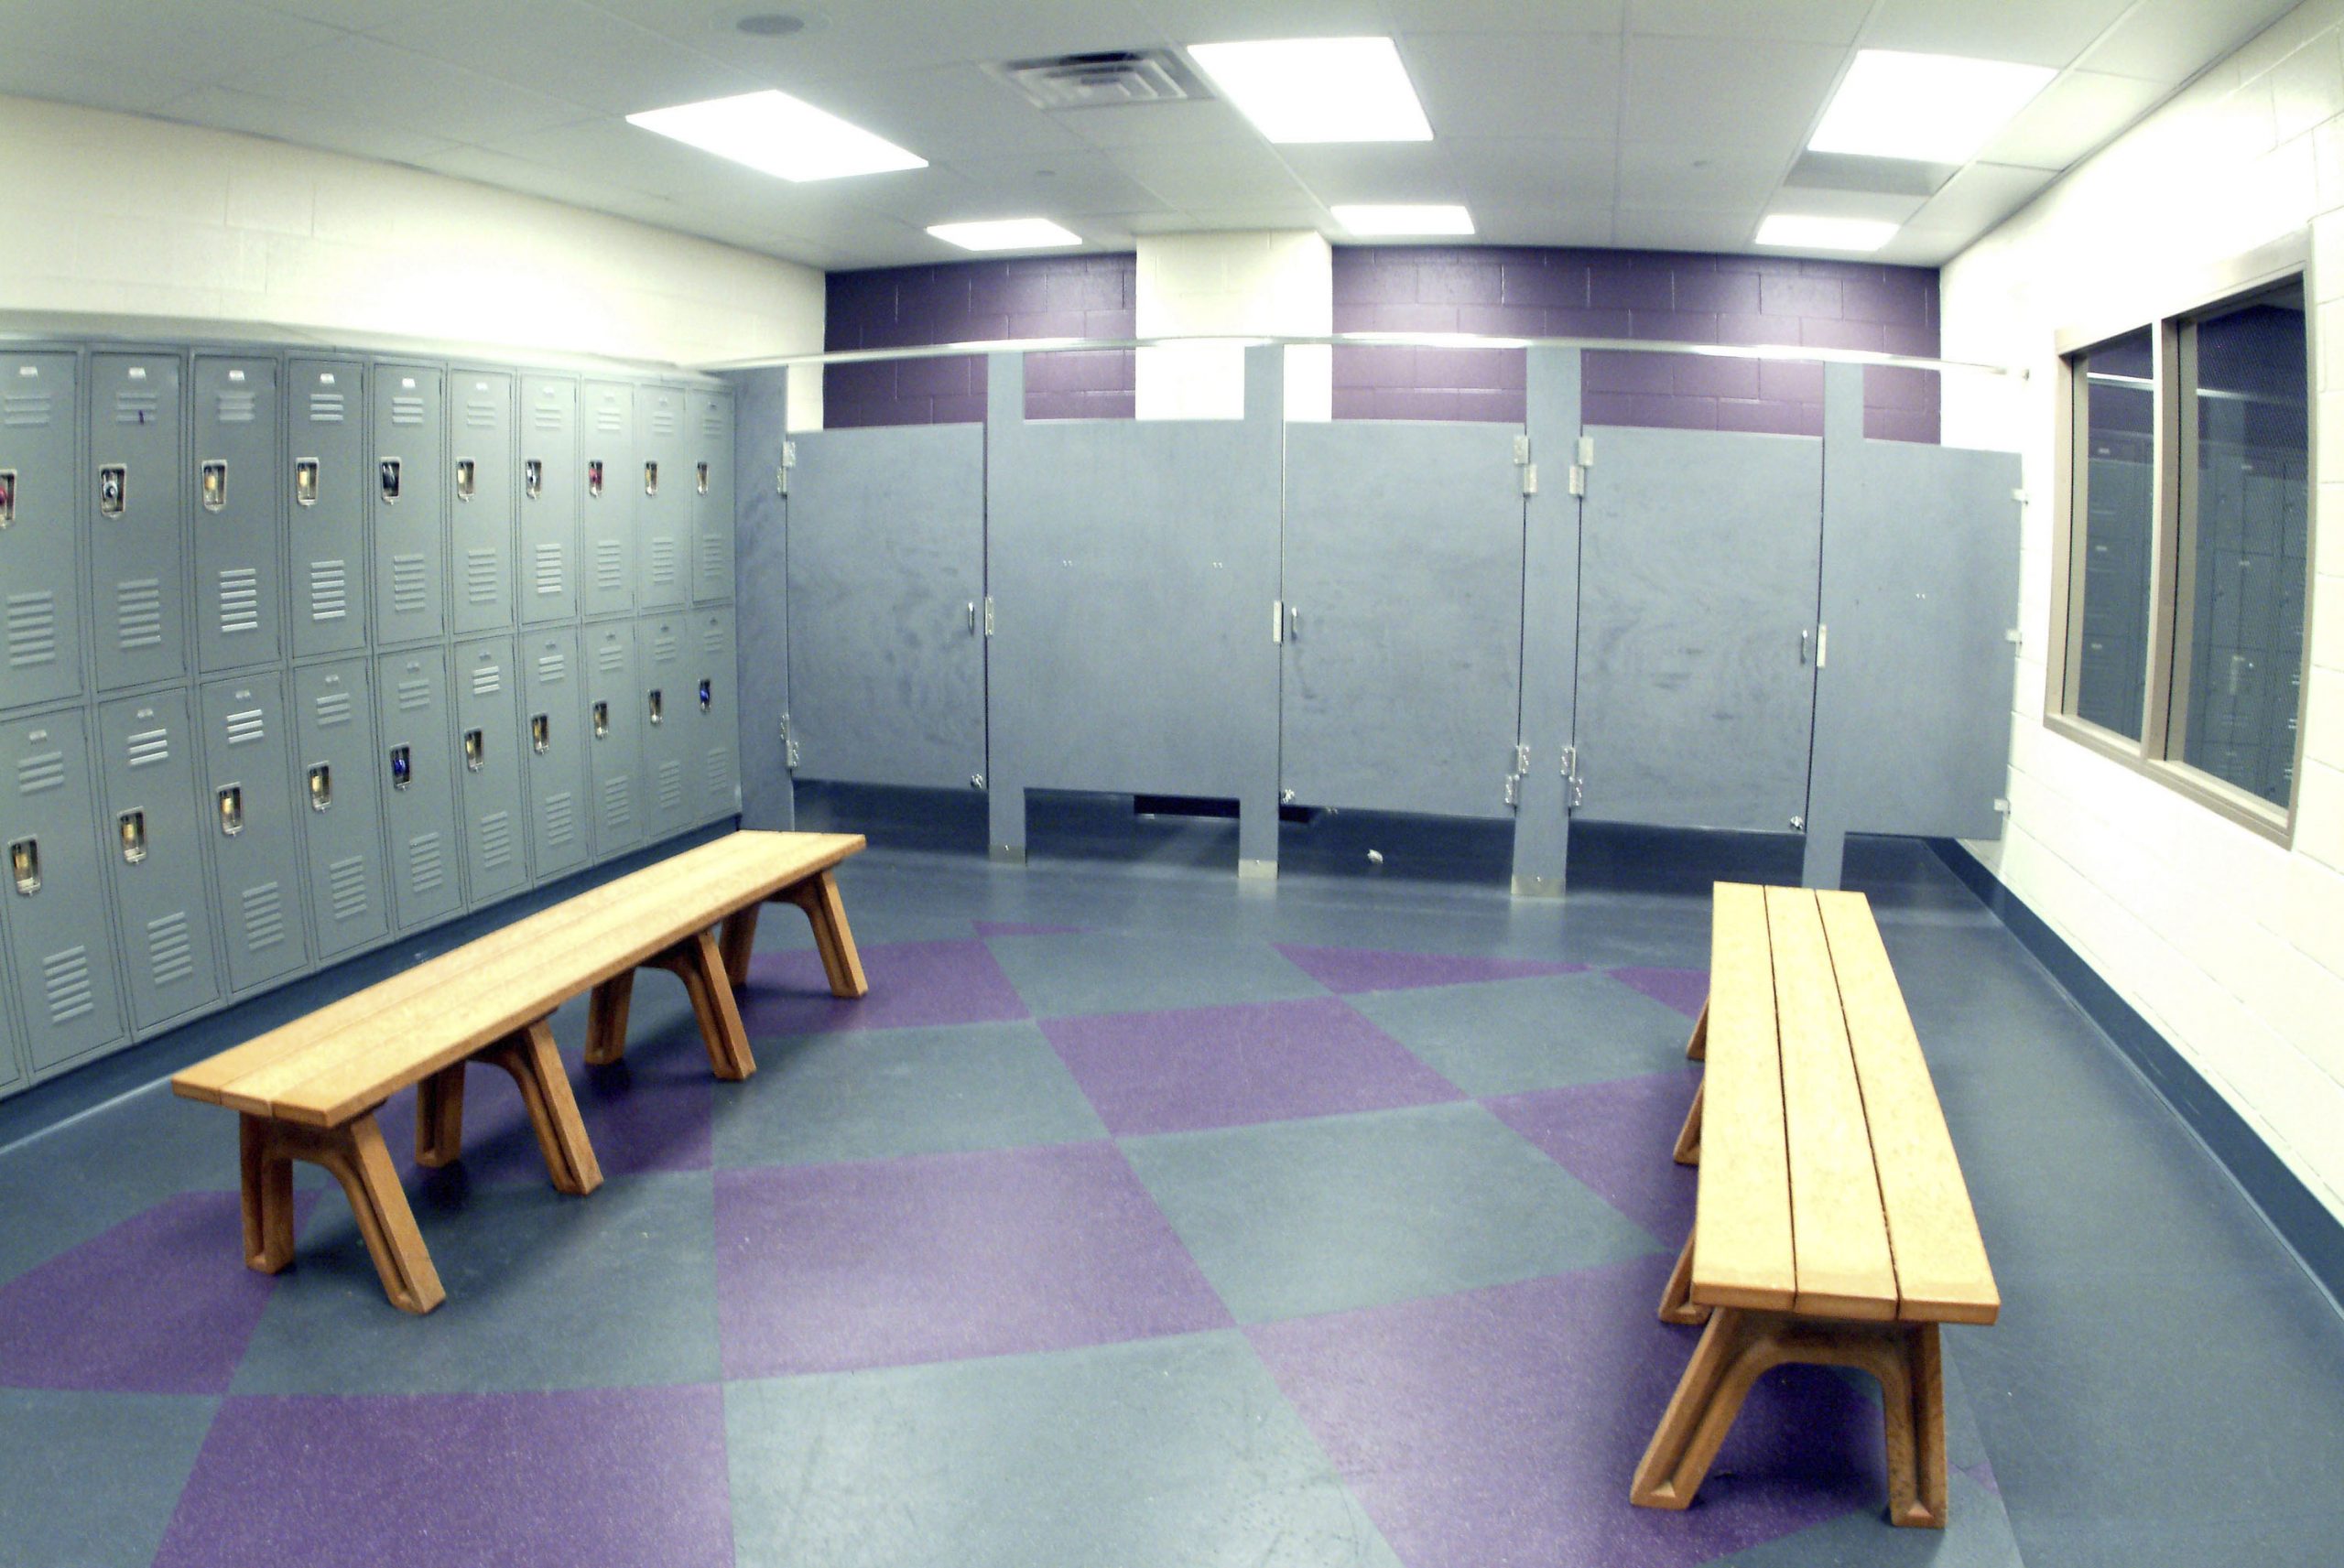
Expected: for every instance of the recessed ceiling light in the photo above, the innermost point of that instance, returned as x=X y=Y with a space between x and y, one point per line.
x=1932 y=108
x=1319 y=90
x=1005 y=234
x=778 y=135
x=1798 y=232
x=1382 y=220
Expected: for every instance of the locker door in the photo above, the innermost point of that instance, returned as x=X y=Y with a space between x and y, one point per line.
x=410 y=519
x=489 y=751
x=12 y=1065
x=713 y=522
x=667 y=675
x=482 y=498
x=606 y=516
x=663 y=514
x=235 y=478
x=338 y=781
x=40 y=572
x=147 y=765
x=255 y=860
x=550 y=479
x=553 y=741
x=614 y=732
x=715 y=713
x=137 y=526
x=56 y=895
x=329 y=484
x=417 y=758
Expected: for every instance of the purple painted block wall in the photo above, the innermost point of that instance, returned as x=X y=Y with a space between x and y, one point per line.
x=1044 y=297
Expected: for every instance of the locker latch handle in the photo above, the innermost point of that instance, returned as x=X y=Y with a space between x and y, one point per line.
x=540 y=733
x=114 y=489
x=601 y=720
x=700 y=478
x=24 y=866
x=216 y=485
x=532 y=478
x=321 y=787
x=706 y=694
x=7 y=496
x=475 y=750
x=594 y=479
x=402 y=767
x=651 y=478
x=231 y=811
x=131 y=827
x=305 y=482
x=657 y=704
x=390 y=475
x=467 y=478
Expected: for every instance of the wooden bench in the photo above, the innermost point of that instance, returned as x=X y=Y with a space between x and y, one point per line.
x=1833 y=1226
x=310 y=1089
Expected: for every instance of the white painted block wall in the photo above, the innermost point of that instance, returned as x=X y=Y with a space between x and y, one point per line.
x=1238 y=284
x=2230 y=944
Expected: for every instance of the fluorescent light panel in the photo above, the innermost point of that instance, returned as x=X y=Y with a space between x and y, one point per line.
x=1797 y=231
x=1319 y=90
x=1005 y=234
x=778 y=135
x=1386 y=221
x=1930 y=108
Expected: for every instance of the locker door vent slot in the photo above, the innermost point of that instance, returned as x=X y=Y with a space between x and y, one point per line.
x=475 y=750
x=24 y=866
x=532 y=478
x=402 y=767
x=656 y=704
x=114 y=489
x=232 y=810
x=467 y=478
x=601 y=720
x=321 y=787
x=390 y=479
x=216 y=485
x=540 y=733
x=595 y=480
x=131 y=829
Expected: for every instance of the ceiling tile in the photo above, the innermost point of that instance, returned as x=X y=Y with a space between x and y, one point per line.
x=2040 y=32
x=569 y=51
x=1219 y=21
x=2073 y=115
x=1065 y=185
x=1542 y=226
x=1506 y=16
x=1886 y=207
x=1495 y=84
x=1734 y=93
x=1532 y=171
x=359 y=75
x=1791 y=21
x=1163 y=126
x=1652 y=229
x=1213 y=173
x=131 y=87
x=355 y=134
x=2172 y=40
x=188 y=43
x=1408 y=171
x=1917 y=245
x=1981 y=195
x=946 y=112
x=1695 y=176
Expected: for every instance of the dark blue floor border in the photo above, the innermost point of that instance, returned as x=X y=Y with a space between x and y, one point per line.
x=2307 y=1225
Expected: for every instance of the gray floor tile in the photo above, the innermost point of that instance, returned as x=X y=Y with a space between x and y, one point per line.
x=1111 y=971
x=89 y=1480
x=1503 y=1037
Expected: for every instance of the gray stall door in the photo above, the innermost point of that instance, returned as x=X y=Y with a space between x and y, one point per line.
x=411 y=482
x=711 y=477
x=615 y=736
x=488 y=753
x=554 y=752
x=612 y=487
x=147 y=767
x=551 y=479
x=57 y=899
x=714 y=713
x=664 y=498
x=337 y=775
x=136 y=522
x=40 y=531
x=238 y=490
x=666 y=671
x=1404 y=616
x=419 y=785
x=886 y=593
x=329 y=483
x=1698 y=581
x=482 y=495
x=255 y=839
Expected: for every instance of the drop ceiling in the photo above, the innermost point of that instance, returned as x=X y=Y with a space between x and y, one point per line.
x=1654 y=124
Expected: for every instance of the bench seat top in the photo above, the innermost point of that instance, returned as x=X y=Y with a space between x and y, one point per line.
x=1829 y=1184
x=335 y=1064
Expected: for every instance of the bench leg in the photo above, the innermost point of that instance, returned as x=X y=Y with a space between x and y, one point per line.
x=818 y=895
x=606 y=1020
x=268 y=1197
x=1688 y=1138
x=440 y=1118
x=739 y=941
x=1697 y=1049
x=536 y=1068
x=355 y=1155
x=1677 y=1304
x=698 y=963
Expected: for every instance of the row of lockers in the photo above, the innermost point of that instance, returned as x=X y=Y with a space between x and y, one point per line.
x=175 y=848
x=185 y=514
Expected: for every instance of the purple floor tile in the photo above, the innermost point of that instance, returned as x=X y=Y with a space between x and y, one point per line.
x=1347 y=969
x=650 y=1113
x=614 y=1477
x=1224 y=1066
x=1983 y=1474
x=1504 y=1425
x=1019 y=928
x=886 y=1262
x=1684 y=990
x=913 y=984
x=161 y=1304
x=1617 y=1138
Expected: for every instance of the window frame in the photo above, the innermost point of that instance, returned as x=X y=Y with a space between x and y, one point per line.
x=2172 y=580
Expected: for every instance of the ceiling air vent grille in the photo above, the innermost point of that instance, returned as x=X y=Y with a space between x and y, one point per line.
x=1109 y=79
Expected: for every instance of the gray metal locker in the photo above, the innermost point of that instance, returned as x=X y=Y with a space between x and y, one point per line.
x=416 y=752
x=482 y=498
x=664 y=504
x=668 y=672
x=329 y=482
x=550 y=479
x=488 y=752
x=711 y=477
x=410 y=519
x=147 y=768
x=55 y=905
x=715 y=715
x=612 y=487
x=238 y=604
x=137 y=526
x=337 y=781
x=614 y=737
x=12 y=1065
x=256 y=848
x=40 y=515
x=553 y=742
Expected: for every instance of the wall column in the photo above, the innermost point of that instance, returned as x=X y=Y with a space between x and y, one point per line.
x=1237 y=284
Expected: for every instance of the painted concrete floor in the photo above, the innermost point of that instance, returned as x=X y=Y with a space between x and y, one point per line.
x=1142 y=1217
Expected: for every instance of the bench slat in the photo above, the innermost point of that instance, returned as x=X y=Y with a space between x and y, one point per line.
x=1942 y=1274
x=1741 y=1237
x=1838 y=1228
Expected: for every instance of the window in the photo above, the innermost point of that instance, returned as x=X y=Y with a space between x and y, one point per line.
x=2185 y=558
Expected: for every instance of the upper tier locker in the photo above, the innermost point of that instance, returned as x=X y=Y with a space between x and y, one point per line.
x=488 y=742
x=483 y=494
x=341 y=828
x=256 y=860
x=329 y=483
x=712 y=521
x=410 y=521
x=606 y=516
x=715 y=715
x=554 y=697
x=147 y=769
x=55 y=908
x=552 y=478
x=669 y=721
x=238 y=605
x=418 y=785
x=663 y=523
x=137 y=525
x=615 y=736
x=40 y=515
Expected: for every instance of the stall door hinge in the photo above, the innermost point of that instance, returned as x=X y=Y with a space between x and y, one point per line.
x=1520 y=447
x=788 y=746
x=988 y=615
x=1521 y=770
x=1579 y=480
x=789 y=461
x=1529 y=479
x=1587 y=452
x=1277 y=622
x=1570 y=778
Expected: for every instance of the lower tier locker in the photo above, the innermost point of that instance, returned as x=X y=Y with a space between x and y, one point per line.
x=55 y=908
x=147 y=769
x=554 y=755
x=715 y=713
x=488 y=743
x=669 y=673
x=340 y=809
x=416 y=756
x=615 y=736
x=255 y=851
